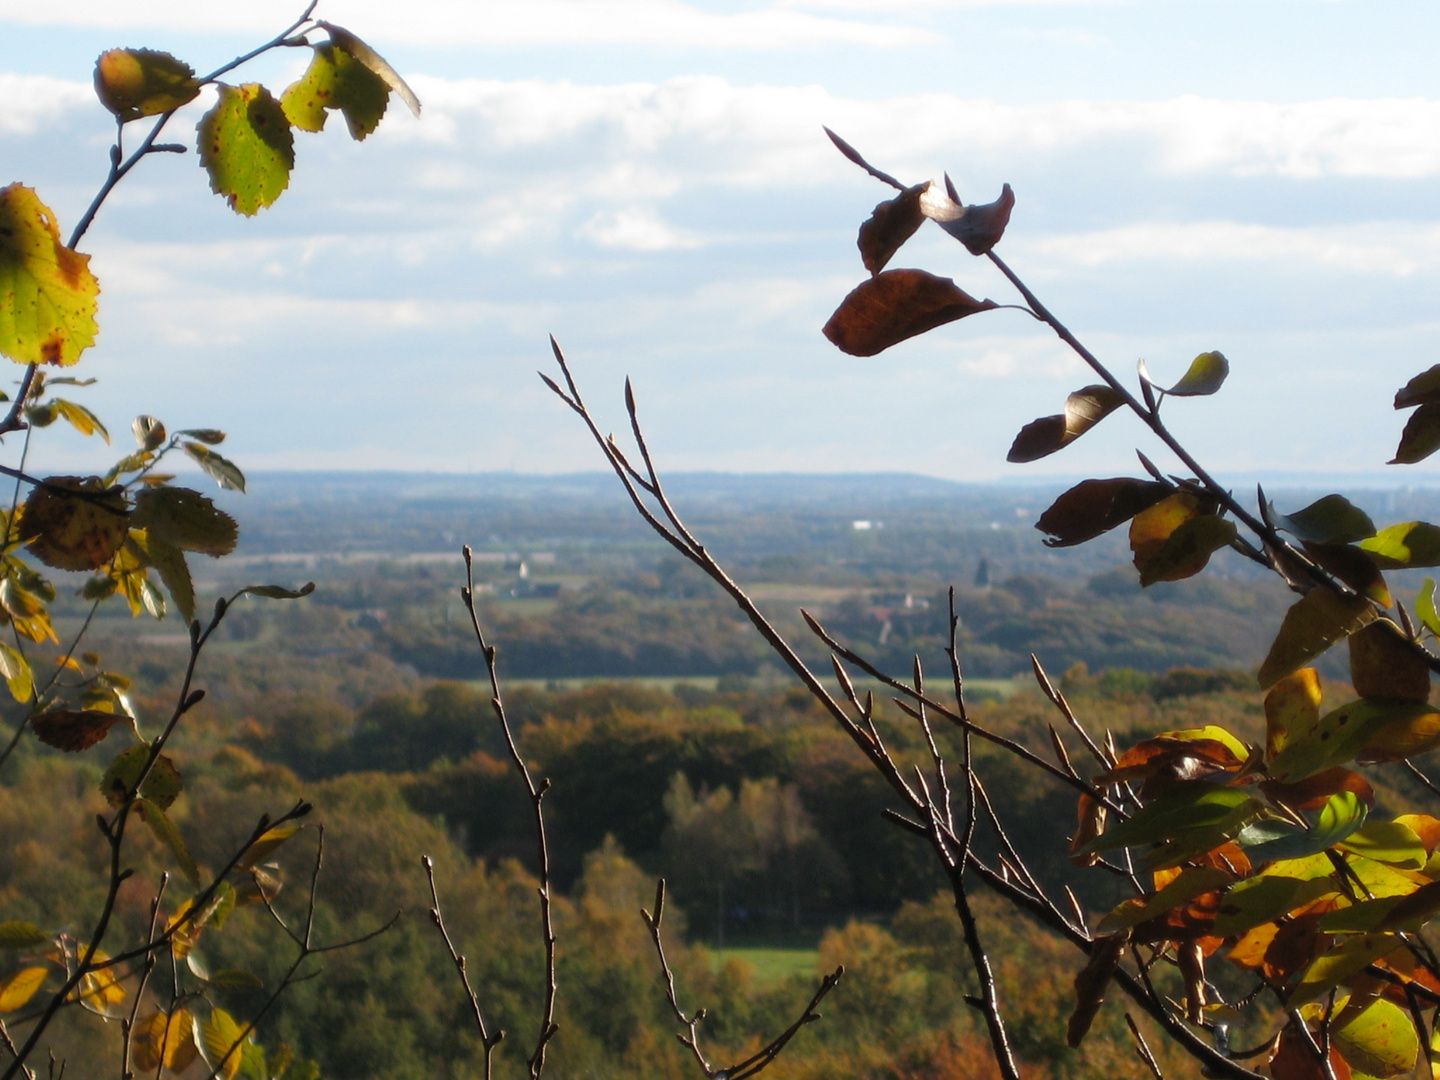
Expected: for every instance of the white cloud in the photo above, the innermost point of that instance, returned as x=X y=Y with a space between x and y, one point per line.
x=29 y=102
x=637 y=228
x=662 y=23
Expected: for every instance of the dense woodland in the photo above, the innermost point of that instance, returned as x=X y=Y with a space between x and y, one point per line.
x=672 y=749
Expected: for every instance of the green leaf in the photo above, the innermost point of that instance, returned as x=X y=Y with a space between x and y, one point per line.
x=247 y=148
x=1316 y=621
x=236 y=977
x=1421 y=436
x=17 y=674
x=162 y=786
x=1380 y=1041
x=1186 y=551
x=170 y=562
x=132 y=83
x=221 y=905
x=223 y=471
x=336 y=80
x=47 y=292
x=252 y=1061
x=217 y=1036
x=170 y=836
x=1206 y=375
x=1084 y=409
x=1425 y=607
x=1267 y=840
x=21 y=935
x=1409 y=544
x=81 y=419
x=1331 y=520
x=1349 y=958
x=1192 y=882
x=1342 y=733
x=349 y=43
x=278 y=592
x=185 y=519
x=1188 y=805
x=1282 y=886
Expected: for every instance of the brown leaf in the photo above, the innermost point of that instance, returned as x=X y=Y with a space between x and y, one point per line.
x=1423 y=389
x=1161 y=551
x=1092 y=982
x=75 y=532
x=1421 y=436
x=1091 y=816
x=1192 y=966
x=896 y=305
x=1093 y=507
x=1314 y=791
x=1293 y=1059
x=1382 y=666
x=74 y=730
x=1083 y=410
x=1352 y=566
x=893 y=222
x=979 y=228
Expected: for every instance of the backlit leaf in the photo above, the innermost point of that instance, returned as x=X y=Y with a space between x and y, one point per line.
x=47 y=293
x=1206 y=375
x=75 y=523
x=185 y=519
x=1292 y=707
x=1316 y=621
x=1083 y=410
x=267 y=843
x=1352 y=566
x=209 y=436
x=1269 y=839
x=1390 y=842
x=162 y=786
x=1383 y=666
x=149 y=432
x=169 y=561
x=132 y=83
x=347 y=41
x=1283 y=886
x=336 y=80
x=1331 y=520
x=81 y=419
x=1381 y=1041
x=896 y=305
x=1425 y=607
x=21 y=935
x=1093 y=507
x=247 y=147
x=1408 y=544
x=1187 y=550
x=218 y=1037
x=165 y=830
x=1192 y=804
x=223 y=471
x=1365 y=727
x=1421 y=436
x=73 y=730
x=17 y=990
x=1415 y=731
x=168 y=1039
x=1349 y=958
x=1192 y=882
x=15 y=669
x=979 y=228
x=236 y=977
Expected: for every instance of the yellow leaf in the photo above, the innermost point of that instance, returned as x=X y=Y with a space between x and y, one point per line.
x=47 y=293
x=1316 y=621
x=21 y=987
x=1291 y=707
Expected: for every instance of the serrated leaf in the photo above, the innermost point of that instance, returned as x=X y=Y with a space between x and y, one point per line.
x=1083 y=410
x=15 y=669
x=162 y=786
x=336 y=80
x=1207 y=373
x=218 y=1037
x=47 y=292
x=186 y=520
x=895 y=305
x=165 y=830
x=1421 y=436
x=1331 y=520
x=149 y=432
x=18 y=989
x=132 y=83
x=279 y=592
x=169 y=562
x=223 y=471
x=1093 y=507
x=75 y=523
x=351 y=44
x=1315 y=622
x=247 y=147
x=1408 y=544
x=74 y=730
x=21 y=935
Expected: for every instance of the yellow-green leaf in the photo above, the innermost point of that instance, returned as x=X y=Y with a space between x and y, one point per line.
x=336 y=80
x=132 y=83
x=81 y=419
x=17 y=674
x=170 y=836
x=1316 y=621
x=1349 y=958
x=223 y=471
x=19 y=988
x=21 y=935
x=1368 y=725
x=47 y=292
x=219 y=1038
x=185 y=519
x=1206 y=375
x=348 y=42
x=247 y=147
x=162 y=785
x=1192 y=882
x=1380 y=1040
x=1408 y=544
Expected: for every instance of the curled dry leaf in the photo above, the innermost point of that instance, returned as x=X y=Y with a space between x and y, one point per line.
x=1084 y=409
x=73 y=730
x=132 y=83
x=1091 y=824
x=896 y=305
x=979 y=228
x=1092 y=982
x=893 y=222
x=1093 y=507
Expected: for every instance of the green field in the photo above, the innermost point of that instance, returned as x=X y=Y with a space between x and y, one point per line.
x=771 y=966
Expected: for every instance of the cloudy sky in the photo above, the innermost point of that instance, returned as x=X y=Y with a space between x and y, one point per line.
x=648 y=180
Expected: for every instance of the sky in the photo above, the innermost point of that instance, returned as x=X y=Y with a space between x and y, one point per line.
x=648 y=180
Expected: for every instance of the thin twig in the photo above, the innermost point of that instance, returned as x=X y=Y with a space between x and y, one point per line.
x=1142 y=1049
x=437 y=917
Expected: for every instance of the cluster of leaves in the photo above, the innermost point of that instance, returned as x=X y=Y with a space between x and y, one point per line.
x=1271 y=853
